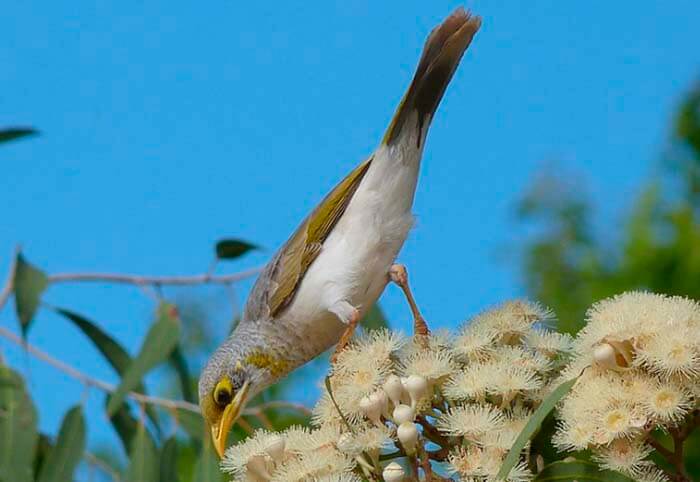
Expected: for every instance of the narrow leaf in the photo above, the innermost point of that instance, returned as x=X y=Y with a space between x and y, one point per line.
x=18 y=435
x=125 y=425
x=533 y=425
x=29 y=283
x=168 y=461
x=206 y=469
x=113 y=352
x=579 y=471
x=178 y=361
x=160 y=341
x=67 y=452
x=192 y=423
x=13 y=133
x=143 y=463
x=233 y=248
x=374 y=319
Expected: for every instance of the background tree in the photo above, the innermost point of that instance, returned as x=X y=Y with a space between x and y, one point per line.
x=568 y=266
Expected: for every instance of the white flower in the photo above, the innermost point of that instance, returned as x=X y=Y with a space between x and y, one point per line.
x=371 y=439
x=624 y=455
x=433 y=365
x=471 y=421
x=314 y=465
x=667 y=402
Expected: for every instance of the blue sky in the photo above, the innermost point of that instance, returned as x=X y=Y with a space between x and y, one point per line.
x=168 y=125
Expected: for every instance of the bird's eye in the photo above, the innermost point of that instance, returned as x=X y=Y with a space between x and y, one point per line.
x=223 y=393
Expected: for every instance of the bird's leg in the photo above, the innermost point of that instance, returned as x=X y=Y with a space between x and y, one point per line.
x=399 y=275
x=349 y=315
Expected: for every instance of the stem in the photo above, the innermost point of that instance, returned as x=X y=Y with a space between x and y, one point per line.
x=9 y=284
x=205 y=278
x=90 y=381
x=675 y=457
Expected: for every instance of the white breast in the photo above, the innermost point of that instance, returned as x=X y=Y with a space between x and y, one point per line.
x=356 y=257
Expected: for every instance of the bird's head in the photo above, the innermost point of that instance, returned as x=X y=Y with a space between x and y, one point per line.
x=225 y=386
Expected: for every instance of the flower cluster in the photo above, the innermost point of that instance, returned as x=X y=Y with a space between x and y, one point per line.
x=396 y=404
x=638 y=359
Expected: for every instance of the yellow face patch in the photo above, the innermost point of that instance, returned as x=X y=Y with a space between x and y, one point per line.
x=264 y=360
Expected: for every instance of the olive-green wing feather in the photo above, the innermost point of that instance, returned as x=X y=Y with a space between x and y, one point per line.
x=277 y=284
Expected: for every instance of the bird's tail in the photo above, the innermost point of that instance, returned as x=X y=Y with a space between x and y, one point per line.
x=441 y=55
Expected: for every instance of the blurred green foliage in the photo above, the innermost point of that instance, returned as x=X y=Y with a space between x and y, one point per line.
x=159 y=443
x=567 y=265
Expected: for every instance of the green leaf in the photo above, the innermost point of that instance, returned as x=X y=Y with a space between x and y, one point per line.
x=233 y=248
x=168 y=461
x=13 y=133
x=113 y=352
x=533 y=425
x=578 y=471
x=178 y=361
x=18 y=435
x=29 y=283
x=67 y=452
x=125 y=425
x=43 y=448
x=193 y=424
x=206 y=469
x=143 y=463
x=374 y=319
x=160 y=341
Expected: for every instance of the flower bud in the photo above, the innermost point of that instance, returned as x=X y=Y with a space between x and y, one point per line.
x=257 y=468
x=408 y=436
x=275 y=448
x=371 y=408
x=604 y=356
x=393 y=389
x=402 y=414
x=417 y=388
x=380 y=397
x=393 y=473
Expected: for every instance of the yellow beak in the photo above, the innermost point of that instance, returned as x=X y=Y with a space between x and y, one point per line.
x=220 y=431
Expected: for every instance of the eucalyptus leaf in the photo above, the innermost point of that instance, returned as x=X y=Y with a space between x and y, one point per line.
x=168 y=461
x=113 y=352
x=207 y=469
x=374 y=319
x=533 y=426
x=125 y=425
x=64 y=456
x=29 y=283
x=18 y=434
x=159 y=343
x=12 y=133
x=233 y=248
x=143 y=458
x=179 y=362
x=578 y=471
x=192 y=423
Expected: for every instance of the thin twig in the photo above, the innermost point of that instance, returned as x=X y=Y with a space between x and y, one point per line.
x=88 y=380
x=94 y=382
x=278 y=404
x=139 y=280
x=95 y=461
x=8 y=288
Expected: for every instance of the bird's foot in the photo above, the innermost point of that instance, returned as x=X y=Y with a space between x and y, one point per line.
x=399 y=275
x=352 y=322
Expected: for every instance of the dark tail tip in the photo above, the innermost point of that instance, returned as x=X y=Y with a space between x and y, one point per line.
x=442 y=53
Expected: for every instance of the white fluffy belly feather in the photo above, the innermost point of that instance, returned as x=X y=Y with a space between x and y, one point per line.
x=352 y=268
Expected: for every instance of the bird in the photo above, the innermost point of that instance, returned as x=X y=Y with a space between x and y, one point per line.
x=318 y=285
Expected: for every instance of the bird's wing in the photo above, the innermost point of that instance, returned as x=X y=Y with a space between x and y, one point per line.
x=278 y=282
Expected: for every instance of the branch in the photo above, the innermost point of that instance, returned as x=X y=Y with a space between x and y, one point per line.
x=90 y=381
x=94 y=382
x=8 y=288
x=205 y=278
